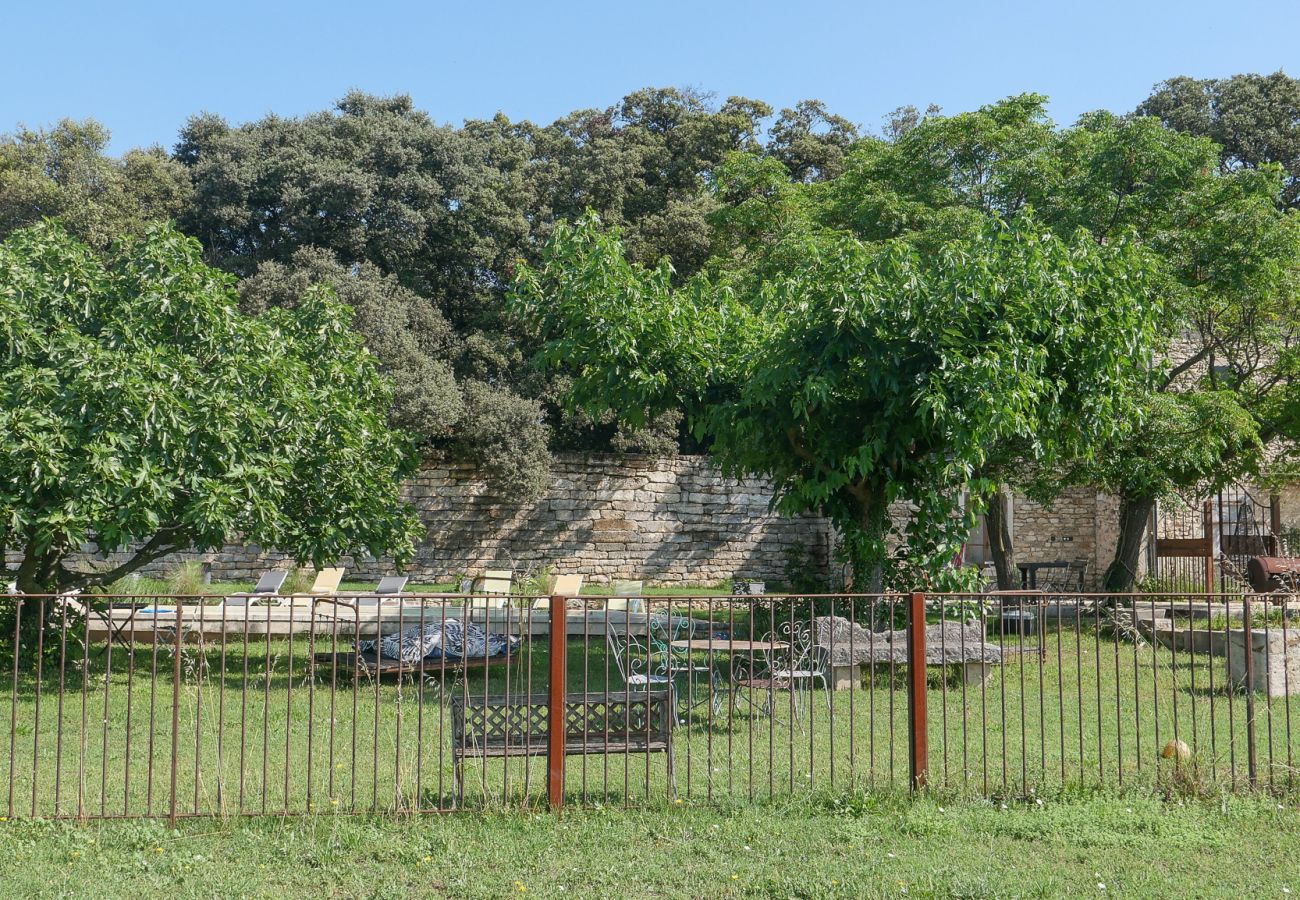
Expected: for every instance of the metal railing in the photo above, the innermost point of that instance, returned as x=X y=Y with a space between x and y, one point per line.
x=171 y=706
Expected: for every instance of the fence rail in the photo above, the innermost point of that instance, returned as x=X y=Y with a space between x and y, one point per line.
x=170 y=706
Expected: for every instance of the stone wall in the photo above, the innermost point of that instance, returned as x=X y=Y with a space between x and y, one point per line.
x=667 y=521
x=662 y=520
x=1079 y=526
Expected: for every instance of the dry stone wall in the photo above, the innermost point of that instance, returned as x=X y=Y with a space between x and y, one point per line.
x=668 y=521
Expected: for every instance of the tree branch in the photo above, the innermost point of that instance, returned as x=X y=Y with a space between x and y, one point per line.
x=168 y=540
x=1185 y=365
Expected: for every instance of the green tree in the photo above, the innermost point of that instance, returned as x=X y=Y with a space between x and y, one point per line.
x=859 y=374
x=428 y=220
x=1254 y=119
x=411 y=339
x=65 y=172
x=811 y=141
x=1224 y=268
x=141 y=411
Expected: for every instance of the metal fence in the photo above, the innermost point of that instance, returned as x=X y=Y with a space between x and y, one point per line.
x=199 y=706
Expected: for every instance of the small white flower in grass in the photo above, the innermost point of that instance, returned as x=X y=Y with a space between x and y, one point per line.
x=1003 y=806
x=1100 y=886
x=890 y=855
x=1039 y=801
x=747 y=847
x=941 y=809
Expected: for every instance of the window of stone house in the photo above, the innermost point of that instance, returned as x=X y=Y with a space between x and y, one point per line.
x=977 y=545
x=976 y=549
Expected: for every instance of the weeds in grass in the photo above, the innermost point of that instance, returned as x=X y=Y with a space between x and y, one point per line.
x=187 y=579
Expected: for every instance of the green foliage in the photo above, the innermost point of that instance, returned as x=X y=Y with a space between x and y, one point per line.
x=811 y=142
x=506 y=435
x=1254 y=120
x=418 y=224
x=411 y=339
x=802 y=574
x=1222 y=264
x=187 y=579
x=64 y=172
x=138 y=405
x=863 y=374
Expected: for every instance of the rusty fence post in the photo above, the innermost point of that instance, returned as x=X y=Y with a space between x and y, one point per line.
x=556 y=703
x=917 y=727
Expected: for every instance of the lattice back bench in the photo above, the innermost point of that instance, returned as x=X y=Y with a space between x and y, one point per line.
x=624 y=721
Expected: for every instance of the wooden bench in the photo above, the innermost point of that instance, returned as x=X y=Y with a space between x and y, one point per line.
x=622 y=721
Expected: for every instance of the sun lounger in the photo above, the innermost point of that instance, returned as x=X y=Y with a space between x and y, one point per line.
x=626 y=597
x=390 y=587
x=498 y=584
x=267 y=587
x=561 y=586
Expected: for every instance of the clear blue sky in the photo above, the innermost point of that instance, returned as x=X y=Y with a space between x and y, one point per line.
x=142 y=67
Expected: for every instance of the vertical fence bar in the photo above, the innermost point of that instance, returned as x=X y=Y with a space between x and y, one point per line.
x=1207 y=519
x=176 y=713
x=13 y=703
x=916 y=691
x=555 y=704
x=1250 y=689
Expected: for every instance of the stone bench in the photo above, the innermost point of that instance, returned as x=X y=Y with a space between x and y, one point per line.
x=851 y=647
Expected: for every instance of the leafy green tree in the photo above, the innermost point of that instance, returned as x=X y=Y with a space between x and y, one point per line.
x=1224 y=268
x=411 y=339
x=429 y=220
x=64 y=172
x=859 y=374
x=811 y=141
x=141 y=411
x=1255 y=120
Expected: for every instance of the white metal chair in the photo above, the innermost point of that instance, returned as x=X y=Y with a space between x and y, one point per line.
x=635 y=661
x=795 y=665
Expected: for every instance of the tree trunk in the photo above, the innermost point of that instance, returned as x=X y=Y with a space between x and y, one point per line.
x=1134 y=516
x=869 y=525
x=998 y=523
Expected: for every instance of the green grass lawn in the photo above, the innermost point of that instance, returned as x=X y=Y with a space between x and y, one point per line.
x=1079 y=845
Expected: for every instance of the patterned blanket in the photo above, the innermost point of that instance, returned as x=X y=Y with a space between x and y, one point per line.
x=452 y=639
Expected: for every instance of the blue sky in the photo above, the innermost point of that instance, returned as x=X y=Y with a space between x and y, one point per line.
x=142 y=67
